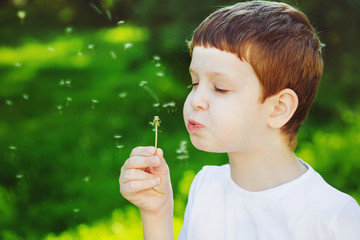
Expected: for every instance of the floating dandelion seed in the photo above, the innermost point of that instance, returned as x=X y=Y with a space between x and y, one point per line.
x=95 y=8
x=12 y=147
x=18 y=64
x=76 y=210
x=169 y=104
x=143 y=84
x=21 y=14
x=119 y=146
x=86 y=179
x=91 y=46
x=9 y=102
x=61 y=82
x=156 y=58
x=19 y=176
x=120 y=22
x=80 y=53
x=128 y=45
x=68 y=83
x=94 y=101
x=156 y=104
x=113 y=54
x=117 y=136
x=51 y=49
x=122 y=95
x=68 y=101
x=69 y=30
x=182 y=151
x=157 y=65
x=160 y=74
x=60 y=108
x=108 y=13
x=156 y=124
x=25 y=96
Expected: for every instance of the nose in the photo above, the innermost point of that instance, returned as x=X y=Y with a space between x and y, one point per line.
x=199 y=98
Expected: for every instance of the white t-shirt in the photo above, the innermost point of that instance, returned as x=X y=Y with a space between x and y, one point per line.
x=306 y=208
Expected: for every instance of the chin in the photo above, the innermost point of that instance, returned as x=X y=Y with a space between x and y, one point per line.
x=206 y=147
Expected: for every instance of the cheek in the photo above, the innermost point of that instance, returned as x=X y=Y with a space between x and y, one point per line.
x=186 y=108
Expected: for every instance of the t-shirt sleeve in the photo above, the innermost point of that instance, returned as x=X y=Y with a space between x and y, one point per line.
x=192 y=195
x=347 y=225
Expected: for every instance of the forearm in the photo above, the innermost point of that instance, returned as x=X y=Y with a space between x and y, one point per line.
x=158 y=226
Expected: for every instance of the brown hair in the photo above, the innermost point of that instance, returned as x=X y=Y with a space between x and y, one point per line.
x=279 y=43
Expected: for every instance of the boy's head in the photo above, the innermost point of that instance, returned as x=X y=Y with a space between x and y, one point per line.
x=277 y=41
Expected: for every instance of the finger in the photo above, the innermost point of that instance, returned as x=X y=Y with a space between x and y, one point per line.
x=143 y=151
x=162 y=167
x=141 y=162
x=135 y=175
x=138 y=186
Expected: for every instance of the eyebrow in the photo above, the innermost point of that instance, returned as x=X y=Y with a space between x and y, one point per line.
x=211 y=73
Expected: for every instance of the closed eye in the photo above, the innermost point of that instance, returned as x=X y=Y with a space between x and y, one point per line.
x=192 y=85
x=222 y=91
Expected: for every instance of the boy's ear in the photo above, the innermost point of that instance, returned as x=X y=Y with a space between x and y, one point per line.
x=284 y=105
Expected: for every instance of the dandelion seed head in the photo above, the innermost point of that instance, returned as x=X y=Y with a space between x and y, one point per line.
x=128 y=45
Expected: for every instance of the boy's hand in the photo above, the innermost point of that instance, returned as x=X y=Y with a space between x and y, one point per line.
x=145 y=181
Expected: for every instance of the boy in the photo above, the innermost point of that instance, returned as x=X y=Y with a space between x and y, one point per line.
x=255 y=70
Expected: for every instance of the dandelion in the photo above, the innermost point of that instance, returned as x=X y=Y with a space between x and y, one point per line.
x=156 y=123
x=9 y=102
x=120 y=22
x=25 y=96
x=128 y=45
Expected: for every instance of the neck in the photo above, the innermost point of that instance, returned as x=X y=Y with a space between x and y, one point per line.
x=264 y=170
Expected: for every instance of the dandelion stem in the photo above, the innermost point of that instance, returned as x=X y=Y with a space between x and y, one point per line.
x=156 y=123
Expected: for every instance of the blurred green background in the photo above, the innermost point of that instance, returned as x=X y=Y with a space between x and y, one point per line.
x=81 y=80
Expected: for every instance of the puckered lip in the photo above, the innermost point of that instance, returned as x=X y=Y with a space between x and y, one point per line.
x=195 y=124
